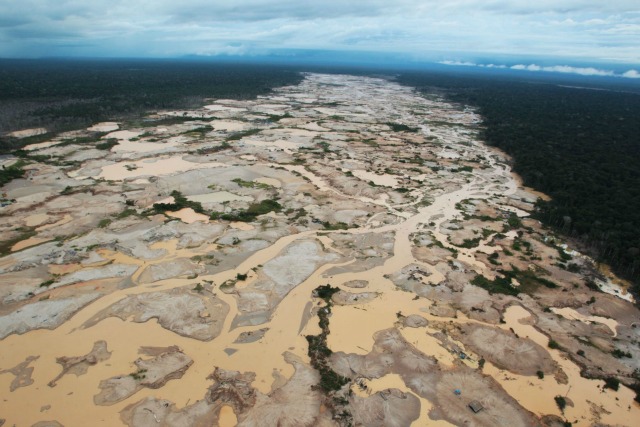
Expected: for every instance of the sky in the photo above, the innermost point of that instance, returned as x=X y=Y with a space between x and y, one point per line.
x=446 y=31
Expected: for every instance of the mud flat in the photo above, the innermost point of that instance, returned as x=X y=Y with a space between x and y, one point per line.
x=340 y=252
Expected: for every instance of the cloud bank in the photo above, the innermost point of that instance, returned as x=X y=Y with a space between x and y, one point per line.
x=583 y=71
x=423 y=29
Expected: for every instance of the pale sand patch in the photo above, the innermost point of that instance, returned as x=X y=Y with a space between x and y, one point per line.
x=123 y=135
x=385 y=180
x=314 y=126
x=66 y=219
x=571 y=314
x=38 y=146
x=36 y=219
x=188 y=216
x=27 y=132
x=104 y=127
x=228 y=125
x=32 y=241
x=153 y=167
x=282 y=144
x=216 y=107
x=445 y=154
x=126 y=145
x=219 y=197
x=519 y=212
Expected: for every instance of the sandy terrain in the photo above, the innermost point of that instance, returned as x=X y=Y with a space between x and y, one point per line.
x=443 y=291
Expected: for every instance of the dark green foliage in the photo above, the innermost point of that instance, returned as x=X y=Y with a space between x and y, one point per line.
x=242 y=134
x=199 y=288
x=72 y=94
x=5 y=246
x=252 y=211
x=619 y=354
x=470 y=243
x=500 y=285
x=540 y=374
x=561 y=402
x=47 y=283
x=139 y=375
x=612 y=383
x=108 y=144
x=179 y=202
x=126 y=213
x=335 y=225
x=104 y=222
x=251 y=184
x=399 y=127
x=325 y=292
x=15 y=171
x=514 y=221
x=318 y=351
x=554 y=345
x=580 y=353
x=241 y=277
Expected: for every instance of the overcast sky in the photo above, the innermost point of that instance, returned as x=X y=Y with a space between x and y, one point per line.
x=596 y=30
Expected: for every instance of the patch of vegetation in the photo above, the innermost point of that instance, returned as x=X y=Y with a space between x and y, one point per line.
x=500 y=285
x=540 y=374
x=108 y=144
x=104 y=222
x=319 y=352
x=241 y=277
x=216 y=148
x=251 y=184
x=527 y=279
x=254 y=210
x=199 y=288
x=554 y=345
x=612 y=383
x=200 y=131
x=619 y=354
x=242 y=134
x=514 y=221
x=335 y=225
x=139 y=375
x=126 y=213
x=493 y=258
x=47 y=283
x=276 y=118
x=9 y=173
x=179 y=202
x=561 y=402
x=399 y=127
x=470 y=243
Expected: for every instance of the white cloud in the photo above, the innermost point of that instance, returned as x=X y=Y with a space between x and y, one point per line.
x=564 y=28
x=566 y=69
x=459 y=63
x=588 y=71
x=632 y=74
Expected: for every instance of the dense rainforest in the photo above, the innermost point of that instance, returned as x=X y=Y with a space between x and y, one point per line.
x=70 y=94
x=579 y=145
